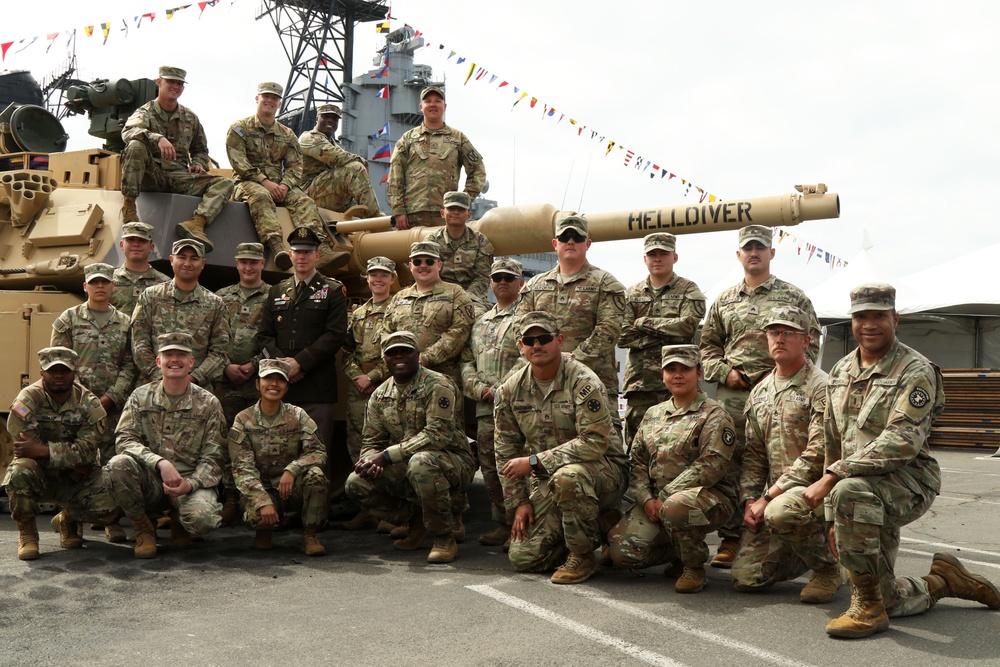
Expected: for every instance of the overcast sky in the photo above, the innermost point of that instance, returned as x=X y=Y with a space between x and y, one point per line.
x=892 y=104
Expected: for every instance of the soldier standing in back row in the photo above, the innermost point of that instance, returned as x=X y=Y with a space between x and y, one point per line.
x=466 y=255
x=135 y=274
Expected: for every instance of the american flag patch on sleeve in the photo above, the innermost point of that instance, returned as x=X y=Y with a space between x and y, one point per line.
x=20 y=409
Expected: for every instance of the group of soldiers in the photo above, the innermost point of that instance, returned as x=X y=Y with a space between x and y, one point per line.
x=797 y=470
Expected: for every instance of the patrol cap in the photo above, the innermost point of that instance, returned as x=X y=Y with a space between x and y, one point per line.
x=303 y=238
x=537 y=318
x=575 y=222
x=758 y=233
x=57 y=356
x=98 y=270
x=688 y=355
x=428 y=248
x=872 y=296
x=660 y=241
x=458 y=198
x=249 y=251
x=179 y=340
x=273 y=367
x=399 y=339
x=172 y=73
x=381 y=264
x=269 y=87
x=139 y=230
x=431 y=89
x=329 y=108
x=180 y=244
x=507 y=265
x=790 y=316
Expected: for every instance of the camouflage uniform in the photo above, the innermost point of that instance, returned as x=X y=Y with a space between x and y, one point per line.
x=71 y=475
x=466 y=262
x=683 y=456
x=244 y=313
x=263 y=448
x=332 y=177
x=569 y=428
x=784 y=439
x=425 y=165
x=129 y=285
x=418 y=427
x=144 y=169
x=161 y=309
x=362 y=356
x=189 y=431
x=654 y=318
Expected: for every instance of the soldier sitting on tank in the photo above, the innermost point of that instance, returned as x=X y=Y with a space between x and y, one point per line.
x=166 y=151
x=330 y=175
x=466 y=254
x=135 y=274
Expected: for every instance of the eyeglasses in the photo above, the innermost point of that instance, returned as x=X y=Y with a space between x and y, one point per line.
x=774 y=334
x=503 y=278
x=541 y=339
x=571 y=235
x=419 y=262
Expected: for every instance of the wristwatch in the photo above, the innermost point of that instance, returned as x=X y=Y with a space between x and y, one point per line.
x=533 y=461
x=767 y=496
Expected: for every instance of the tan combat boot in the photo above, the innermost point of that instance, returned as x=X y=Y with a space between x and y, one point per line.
x=27 y=539
x=495 y=537
x=822 y=587
x=310 y=543
x=726 y=554
x=145 y=537
x=179 y=537
x=445 y=549
x=360 y=521
x=385 y=528
x=129 y=212
x=577 y=569
x=949 y=579
x=231 y=508
x=866 y=615
x=330 y=262
x=457 y=527
x=194 y=229
x=68 y=529
x=114 y=532
x=399 y=532
x=692 y=580
x=262 y=539
x=415 y=534
x=279 y=255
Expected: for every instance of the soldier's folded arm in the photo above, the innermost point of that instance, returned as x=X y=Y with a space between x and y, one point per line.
x=85 y=448
x=450 y=343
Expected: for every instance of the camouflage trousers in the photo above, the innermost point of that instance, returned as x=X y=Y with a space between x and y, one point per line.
x=301 y=208
x=142 y=172
x=429 y=480
x=138 y=490
x=310 y=497
x=357 y=404
x=792 y=541
x=334 y=189
x=638 y=403
x=425 y=219
x=567 y=508
x=734 y=401
x=234 y=399
x=685 y=519
x=108 y=437
x=485 y=434
x=83 y=496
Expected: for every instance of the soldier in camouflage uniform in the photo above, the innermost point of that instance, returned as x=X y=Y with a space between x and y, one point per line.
x=784 y=455
x=169 y=443
x=734 y=348
x=466 y=255
x=559 y=455
x=331 y=176
x=879 y=474
x=182 y=305
x=491 y=353
x=426 y=164
x=57 y=426
x=663 y=309
x=415 y=457
x=135 y=274
x=683 y=478
x=166 y=151
x=278 y=462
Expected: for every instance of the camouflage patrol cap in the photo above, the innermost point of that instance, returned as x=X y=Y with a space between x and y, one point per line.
x=660 y=241
x=180 y=244
x=431 y=89
x=249 y=251
x=273 y=367
x=790 y=316
x=578 y=223
x=508 y=265
x=138 y=230
x=328 y=108
x=537 y=318
x=688 y=355
x=758 y=233
x=178 y=340
x=872 y=296
x=428 y=248
x=173 y=73
x=399 y=339
x=57 y=356
x=381 y=264
x=98 y=270
x=303 y=238
x=459 y=198
x=269 y=87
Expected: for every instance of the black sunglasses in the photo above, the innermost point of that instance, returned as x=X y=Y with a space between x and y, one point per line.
x=571 y=235
x=429 y=261
x=541 y=339
x=503 y=278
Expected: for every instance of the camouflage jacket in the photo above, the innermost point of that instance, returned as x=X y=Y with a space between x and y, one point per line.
x=259 y=153
x=150 y=122
x=73 y=431
x=784 y=433
x=244 y=315
x=589 y=307
x=652 y=321
x=732 y=336
x=202 y=314
x=684 y=448
x=319 y=154
x=188 y=430
x=106 y=366
x=571 y=423
x=491 y=353
x=424 y=414
x=129 y=285
x=426 y=164
x=440 y=319
x=466 y=262
x=362 y=346
x=261 y=453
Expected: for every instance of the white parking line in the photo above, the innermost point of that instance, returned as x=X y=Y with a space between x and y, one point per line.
x=579 y=628
x=978 y=473
x=968 y=499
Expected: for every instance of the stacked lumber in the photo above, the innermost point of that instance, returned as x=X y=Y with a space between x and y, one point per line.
x=972 y=410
